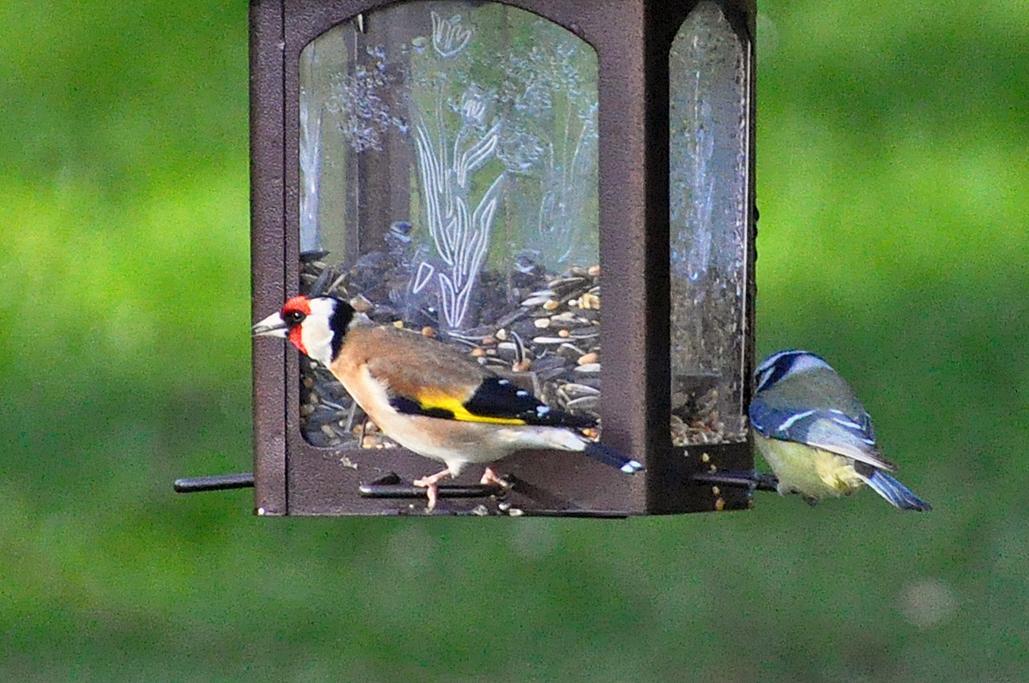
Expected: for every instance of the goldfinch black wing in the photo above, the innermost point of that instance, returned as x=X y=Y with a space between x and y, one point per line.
x=432 y=379
x=494 y=401
x=497 y=397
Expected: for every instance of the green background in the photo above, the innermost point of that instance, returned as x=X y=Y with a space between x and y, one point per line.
x=892 y=169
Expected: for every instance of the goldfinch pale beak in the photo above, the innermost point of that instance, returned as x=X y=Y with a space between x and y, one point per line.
x=272 y=326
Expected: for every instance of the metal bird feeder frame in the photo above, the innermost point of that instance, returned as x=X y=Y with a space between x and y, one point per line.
x=473 y=169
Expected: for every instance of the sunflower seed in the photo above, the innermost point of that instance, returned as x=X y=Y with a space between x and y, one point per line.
x=586 y=403
x=575 y=390
x=537 y=298
x=361 y=304
x=511 y=317
x=585 y=332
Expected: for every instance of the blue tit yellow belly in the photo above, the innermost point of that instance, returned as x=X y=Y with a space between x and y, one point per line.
x=812 y=472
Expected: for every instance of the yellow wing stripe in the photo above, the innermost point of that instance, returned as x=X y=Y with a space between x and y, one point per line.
x=456 y=407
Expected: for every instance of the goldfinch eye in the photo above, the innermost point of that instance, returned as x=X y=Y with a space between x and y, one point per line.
x=293 y=318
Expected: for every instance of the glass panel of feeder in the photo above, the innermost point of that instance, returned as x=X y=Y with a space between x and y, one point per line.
x=708 y=190
x=448 y=167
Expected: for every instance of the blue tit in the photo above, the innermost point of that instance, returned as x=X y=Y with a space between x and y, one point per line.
x=814 y=433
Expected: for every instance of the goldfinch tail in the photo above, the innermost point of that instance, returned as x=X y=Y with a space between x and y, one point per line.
x=898 y=495
x=610 y=456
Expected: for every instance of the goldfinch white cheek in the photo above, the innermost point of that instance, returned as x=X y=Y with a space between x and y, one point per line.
x=316 y=333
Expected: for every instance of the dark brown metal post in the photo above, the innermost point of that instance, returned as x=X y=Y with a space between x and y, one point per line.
x=268 y=258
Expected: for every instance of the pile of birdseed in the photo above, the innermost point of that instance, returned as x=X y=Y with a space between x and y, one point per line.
x=541 y=330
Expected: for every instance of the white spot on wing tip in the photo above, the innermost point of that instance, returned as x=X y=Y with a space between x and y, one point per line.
x=631 y=467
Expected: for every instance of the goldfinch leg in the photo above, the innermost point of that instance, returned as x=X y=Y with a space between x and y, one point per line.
x=490 y=477
x=431 y=485
x=364 y=430
x=350 y=417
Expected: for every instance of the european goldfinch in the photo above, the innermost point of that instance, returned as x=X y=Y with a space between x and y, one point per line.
x=814 y=433
x=426 y=395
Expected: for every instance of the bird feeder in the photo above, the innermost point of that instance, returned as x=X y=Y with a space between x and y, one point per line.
x=562 y=189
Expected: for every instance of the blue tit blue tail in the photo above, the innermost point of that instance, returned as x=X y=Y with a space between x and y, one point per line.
x=610 y=456
x=898 y=495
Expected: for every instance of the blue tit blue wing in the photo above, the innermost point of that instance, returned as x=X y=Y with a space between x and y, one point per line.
x=825 y=428
x=846 y=434
x=765 y=418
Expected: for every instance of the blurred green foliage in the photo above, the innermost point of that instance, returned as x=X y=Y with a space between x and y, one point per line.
x=892 y=175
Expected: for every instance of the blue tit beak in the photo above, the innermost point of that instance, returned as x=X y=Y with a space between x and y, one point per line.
x=272 y=326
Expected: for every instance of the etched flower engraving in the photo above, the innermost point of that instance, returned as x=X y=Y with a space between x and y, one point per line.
x=511 y=131
x=461 y=237
x=708 y=178
x=448 y=163
x=449 y=37
x=365 y=102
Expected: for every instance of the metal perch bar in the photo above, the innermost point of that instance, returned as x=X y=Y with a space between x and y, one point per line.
x=741 y=480
x=390 y=486
x=444 y=491
x=218 y=482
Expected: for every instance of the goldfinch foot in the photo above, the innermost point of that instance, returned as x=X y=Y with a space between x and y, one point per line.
x=490 y=477
x=431 y=485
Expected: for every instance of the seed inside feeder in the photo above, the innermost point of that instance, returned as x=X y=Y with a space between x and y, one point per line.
x=505 y=337
x=542 y=326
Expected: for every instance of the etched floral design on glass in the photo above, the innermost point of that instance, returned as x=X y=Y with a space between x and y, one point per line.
x=448 y=164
